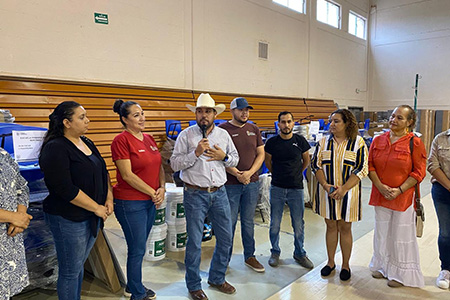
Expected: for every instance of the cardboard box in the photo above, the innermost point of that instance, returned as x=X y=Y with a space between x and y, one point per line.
x=101 y=264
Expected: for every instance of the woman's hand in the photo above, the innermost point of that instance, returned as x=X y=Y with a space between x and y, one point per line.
x=13 y=230
x=21 y=219
x=159 y=196
x=339 y=193
x=102 y=212
x=327 y=188
x=109 y=204
x=395 y=192
x=387 y=191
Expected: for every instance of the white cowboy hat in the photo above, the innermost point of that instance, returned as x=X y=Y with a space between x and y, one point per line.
x=205 y=100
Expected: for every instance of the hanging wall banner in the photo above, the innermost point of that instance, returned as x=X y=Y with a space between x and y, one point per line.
x=27 y=144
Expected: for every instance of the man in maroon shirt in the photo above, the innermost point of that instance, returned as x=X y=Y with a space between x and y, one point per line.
x=242 y=181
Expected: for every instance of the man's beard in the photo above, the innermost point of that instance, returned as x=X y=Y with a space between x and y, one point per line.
x=286 y=133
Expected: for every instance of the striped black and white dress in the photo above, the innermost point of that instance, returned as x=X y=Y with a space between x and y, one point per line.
x=339 y=162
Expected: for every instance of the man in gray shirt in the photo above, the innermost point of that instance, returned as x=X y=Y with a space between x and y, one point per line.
x=202 y=152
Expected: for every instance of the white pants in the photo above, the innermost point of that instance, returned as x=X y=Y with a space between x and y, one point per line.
x=395 y=249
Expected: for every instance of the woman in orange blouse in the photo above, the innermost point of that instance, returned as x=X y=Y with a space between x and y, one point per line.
x=394 y=172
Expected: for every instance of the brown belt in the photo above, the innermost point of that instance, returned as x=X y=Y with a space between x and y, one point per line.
x=210 y=189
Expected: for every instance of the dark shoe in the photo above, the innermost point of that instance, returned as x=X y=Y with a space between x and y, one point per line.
x=326 y=271
x=149 y=293
x=345 y=274
x=198 y=295
x=304 y=262
x=254 y=264
x=225 y=287
x=274 y=260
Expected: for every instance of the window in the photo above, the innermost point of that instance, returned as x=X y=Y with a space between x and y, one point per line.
x=356 y=25
x=297 y=5
x=329 y=13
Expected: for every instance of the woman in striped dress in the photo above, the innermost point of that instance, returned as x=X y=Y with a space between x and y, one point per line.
x=339 y=163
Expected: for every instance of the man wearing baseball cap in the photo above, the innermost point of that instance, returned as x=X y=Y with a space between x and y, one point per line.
x=242 y=181
x=202 y=152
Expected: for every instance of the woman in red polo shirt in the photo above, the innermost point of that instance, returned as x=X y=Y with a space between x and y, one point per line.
x=139 y=188
x=394 y=172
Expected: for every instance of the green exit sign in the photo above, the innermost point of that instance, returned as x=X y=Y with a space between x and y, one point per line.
x=101 y=18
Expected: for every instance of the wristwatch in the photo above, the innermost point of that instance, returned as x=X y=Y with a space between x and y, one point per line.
x=225 y=158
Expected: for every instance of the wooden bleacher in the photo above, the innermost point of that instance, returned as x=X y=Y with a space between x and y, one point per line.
x=32 y=100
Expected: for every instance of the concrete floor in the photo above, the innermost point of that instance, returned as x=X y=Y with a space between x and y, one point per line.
x=166 y=277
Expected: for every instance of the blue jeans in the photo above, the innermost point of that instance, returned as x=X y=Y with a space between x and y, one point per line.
x=294 y=199
x=73 y=243
x=136 y=218
x=243 y=200
x=198 y=204
x=441 y=198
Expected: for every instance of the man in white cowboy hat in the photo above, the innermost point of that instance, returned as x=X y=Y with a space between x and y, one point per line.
x=202 y=152
x=242 y=181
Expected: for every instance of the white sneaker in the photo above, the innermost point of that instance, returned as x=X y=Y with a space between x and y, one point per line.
x=443 y=280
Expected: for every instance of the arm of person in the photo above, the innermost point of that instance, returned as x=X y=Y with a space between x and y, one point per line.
x=340 y=191
x=306 y=160
x=320 y=176
x=434 y=167
x=23 y=196
x=417 y=174
x=17 y=220
x=109 y=204
x=233 y=171
x=15 y=229
x=124 y=166
x=84 y=201
x=245 y=176
x=316 y=167
x=160 y=192
x=360 y=171
x=181 y=158
x=216 y=153
x=440 y=176
x=384 y=189
x=268 y=161
x=55 y=163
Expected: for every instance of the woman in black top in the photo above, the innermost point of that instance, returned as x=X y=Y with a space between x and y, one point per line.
x=80 y=196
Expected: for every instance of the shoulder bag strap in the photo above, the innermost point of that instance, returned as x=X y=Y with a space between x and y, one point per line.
x=418 y=206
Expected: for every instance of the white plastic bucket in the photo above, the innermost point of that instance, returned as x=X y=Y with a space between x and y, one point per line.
x=177 y=236
x=160 y=215
x=170 y=185
x=156 y=243
x=175 y=207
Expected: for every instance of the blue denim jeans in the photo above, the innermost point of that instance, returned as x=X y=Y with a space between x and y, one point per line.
x=441 y=198
x=294 y=199
x=73 y=243
x=198 y=204
x=136 y=218
x=243 y=200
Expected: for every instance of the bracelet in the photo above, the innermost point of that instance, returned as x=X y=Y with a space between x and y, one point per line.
x=400 y=188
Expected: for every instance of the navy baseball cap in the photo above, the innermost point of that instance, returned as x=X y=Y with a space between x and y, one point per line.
x=239 y=103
